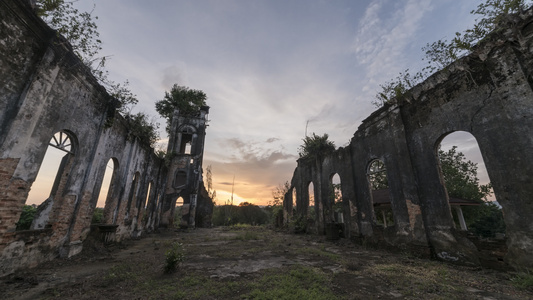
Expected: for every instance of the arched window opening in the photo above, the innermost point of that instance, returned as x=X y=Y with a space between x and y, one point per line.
x=132 y=197
x=473 y=204
x=187 y=133
x=294 y=202
x=146 y=201
x=40 y=199
x=336 y=198
x=105 y=189
x=187 y=149
x=106 y=183
x=377 y=175
x=180 y=180
x=379 y=186
x=311 y=199
x=178 y=211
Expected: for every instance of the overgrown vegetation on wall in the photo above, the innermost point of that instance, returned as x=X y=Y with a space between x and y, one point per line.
x=26 y=217
x=315 y=147
x=80 y=30
x=140 y=127
x=186 y=100
x=439 y=54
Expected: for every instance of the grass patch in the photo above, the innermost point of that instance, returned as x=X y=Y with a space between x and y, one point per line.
x=117 y=274
x=189 y=286
x=248 y=235
x=299 y=283
x=319 y=252
x=412 y=281
x=240 y=226
x=523 y=280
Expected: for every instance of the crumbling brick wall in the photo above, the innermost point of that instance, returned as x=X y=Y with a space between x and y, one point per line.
x=488 y=94
x=45 y=89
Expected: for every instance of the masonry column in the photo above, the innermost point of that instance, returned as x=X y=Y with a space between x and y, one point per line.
x=444 y=240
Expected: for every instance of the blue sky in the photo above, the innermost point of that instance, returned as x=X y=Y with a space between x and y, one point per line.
x=269 y=67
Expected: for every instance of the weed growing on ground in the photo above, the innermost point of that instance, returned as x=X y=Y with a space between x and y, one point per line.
x=240 y=226
x=523 y=280
x=118 y=273
x=319 y=251
x=173 y=257
x=411 y=280
x=299 y=283
x=248 y=235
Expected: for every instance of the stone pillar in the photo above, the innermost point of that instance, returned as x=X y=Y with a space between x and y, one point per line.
x=446 y=244
x=461 y=218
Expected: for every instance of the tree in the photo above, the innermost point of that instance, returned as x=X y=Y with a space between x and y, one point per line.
x=186 y=100
x=77 y=27
x=460 y=176
x=315 y=147
x=278 y=194
x=377 y=175
x=81 y=32
x=492 y=13
x=142 y=128
x=439 y=54
x=212 y=193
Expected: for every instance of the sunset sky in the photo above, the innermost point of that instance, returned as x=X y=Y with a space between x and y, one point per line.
x=269 y=68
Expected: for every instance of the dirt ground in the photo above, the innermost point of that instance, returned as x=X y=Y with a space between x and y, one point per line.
x=253 y=263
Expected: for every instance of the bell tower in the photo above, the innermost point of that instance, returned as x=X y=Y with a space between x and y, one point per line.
x=185 y=152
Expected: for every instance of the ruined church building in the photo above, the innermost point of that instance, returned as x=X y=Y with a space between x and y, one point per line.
x=487 y=94
x=47 y=96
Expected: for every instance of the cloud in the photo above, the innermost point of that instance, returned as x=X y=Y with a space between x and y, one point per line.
x=254 y=154
x=173 y=74
x=271 y=140
x=385 y=33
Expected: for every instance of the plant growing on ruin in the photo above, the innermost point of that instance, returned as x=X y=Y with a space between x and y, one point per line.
x=298 y=224
x=98 y=215
x=186 y=100
x=396 y=88
x=139 y=126
x=173 y=257
x=81 y=32
x=491 y=13
x=315 y=147
x=77 y=27
x=439 y=54
x=26 y=217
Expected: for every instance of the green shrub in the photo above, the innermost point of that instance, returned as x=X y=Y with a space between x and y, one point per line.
x=523 y=281
x=298 y=224
x=26 y=217
x=173 y=257
x=98 y=215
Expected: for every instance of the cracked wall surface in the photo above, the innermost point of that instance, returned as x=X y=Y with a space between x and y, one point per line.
x=488 y=94
x=46 y=90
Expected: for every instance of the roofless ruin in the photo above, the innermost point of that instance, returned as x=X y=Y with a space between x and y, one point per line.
x=47 y=96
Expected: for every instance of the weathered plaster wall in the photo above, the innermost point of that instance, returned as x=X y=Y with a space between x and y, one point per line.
x=46 y=89
x=489 y=94
x=185 y=168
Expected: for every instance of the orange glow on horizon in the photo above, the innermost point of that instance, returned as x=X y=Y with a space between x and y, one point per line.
x=224 y=197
